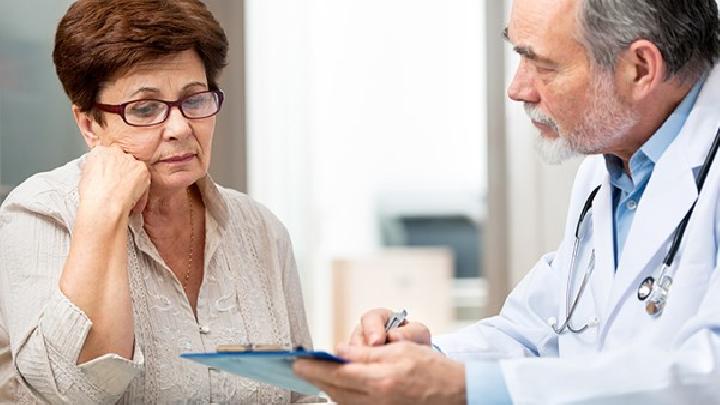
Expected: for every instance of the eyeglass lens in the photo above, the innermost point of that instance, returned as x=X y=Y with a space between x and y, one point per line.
x=150 y=112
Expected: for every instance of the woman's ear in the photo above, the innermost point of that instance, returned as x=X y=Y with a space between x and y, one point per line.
x=642 y=70
x=85 y=123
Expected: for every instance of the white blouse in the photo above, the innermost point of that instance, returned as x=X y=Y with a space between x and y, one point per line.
x=250 y=294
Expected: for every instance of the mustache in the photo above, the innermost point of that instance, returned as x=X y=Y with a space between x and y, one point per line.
x=538 y=116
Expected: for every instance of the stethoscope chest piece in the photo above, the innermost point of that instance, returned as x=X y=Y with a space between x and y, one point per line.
x=645 y=288
x=658 y=296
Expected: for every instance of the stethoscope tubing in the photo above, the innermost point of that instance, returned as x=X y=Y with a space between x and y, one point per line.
x=702 y=176
x=570 y=309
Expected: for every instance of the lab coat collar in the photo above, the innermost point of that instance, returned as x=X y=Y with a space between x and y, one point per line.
x=702 y=124
x=652 y=150
x=668 y=196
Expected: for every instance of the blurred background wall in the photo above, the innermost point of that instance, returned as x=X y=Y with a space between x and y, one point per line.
x=377 y=131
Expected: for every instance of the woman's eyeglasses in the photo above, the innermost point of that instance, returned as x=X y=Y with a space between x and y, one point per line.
x=149 y=112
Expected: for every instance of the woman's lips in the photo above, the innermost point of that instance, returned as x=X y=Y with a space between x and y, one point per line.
x=178 y=158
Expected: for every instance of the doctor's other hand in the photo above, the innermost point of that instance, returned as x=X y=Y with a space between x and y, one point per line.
x=371 y=330
x=398 y=373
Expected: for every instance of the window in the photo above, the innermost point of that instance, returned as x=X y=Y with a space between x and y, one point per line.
x=37 y=131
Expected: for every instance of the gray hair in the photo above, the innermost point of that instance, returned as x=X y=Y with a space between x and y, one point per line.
x=685 y=31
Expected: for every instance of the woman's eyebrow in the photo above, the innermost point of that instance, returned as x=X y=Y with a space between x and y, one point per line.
x=195 y=84
x=155 y=90
x=152 y=90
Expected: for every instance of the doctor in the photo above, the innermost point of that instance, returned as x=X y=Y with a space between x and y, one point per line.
x=627 y=310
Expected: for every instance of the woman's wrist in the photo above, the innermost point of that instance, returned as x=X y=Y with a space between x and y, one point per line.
x=101 y=224
x=102 y=213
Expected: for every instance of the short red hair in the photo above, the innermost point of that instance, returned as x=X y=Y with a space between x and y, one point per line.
x=99 y=39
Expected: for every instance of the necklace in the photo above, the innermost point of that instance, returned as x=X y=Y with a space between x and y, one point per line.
x=186 y=279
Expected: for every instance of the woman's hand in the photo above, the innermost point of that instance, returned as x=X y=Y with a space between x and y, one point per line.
x=95 y=276
x=115 y=180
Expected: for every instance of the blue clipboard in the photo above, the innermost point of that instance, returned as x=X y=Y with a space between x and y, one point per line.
x=269 y=367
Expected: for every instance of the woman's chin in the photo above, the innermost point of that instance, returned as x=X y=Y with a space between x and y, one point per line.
x=175 y=180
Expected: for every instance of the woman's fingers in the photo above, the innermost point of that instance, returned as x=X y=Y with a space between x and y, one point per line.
x=110 y=177
x=140 y=205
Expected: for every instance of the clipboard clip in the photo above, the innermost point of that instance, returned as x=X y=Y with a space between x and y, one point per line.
x=256 y=347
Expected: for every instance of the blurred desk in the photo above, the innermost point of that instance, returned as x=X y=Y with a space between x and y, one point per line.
x=416 y=279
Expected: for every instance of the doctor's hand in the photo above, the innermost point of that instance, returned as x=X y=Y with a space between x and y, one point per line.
x=371 y=330
x=398 y=373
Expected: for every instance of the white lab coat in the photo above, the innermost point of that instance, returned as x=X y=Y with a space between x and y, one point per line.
x=628 y=357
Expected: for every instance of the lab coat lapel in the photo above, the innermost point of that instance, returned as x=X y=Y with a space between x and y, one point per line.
x=670 y=192
x=604 y=273
x=667 y=198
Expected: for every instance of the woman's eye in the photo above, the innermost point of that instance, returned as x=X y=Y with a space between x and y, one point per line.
x=145 y=108
x=195 y=101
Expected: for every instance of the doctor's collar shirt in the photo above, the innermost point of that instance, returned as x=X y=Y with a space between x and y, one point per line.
x=627 y=191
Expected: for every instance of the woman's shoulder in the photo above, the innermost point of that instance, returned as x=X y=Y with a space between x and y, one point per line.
x=49 y=193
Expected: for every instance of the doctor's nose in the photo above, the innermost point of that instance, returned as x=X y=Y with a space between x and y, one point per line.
x=522 y=87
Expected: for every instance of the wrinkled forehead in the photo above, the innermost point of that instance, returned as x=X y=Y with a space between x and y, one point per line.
x=547 y=31
x=552 y=21
x=169 y=73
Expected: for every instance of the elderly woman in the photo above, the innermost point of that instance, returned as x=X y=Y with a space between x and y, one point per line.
x=114 y=264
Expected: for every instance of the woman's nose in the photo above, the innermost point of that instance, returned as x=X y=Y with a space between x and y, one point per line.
x=176 y=126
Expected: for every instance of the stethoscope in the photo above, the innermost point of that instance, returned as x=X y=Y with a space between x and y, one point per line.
x=650 y=290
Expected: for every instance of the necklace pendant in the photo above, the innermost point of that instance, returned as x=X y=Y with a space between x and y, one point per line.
x=186 y=279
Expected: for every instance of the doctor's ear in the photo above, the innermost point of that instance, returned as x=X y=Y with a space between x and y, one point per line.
x=641 y=69
x=87 y=125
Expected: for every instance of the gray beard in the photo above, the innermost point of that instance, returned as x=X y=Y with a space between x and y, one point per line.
x=605 y=123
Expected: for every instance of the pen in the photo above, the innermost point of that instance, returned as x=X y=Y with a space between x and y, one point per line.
x=396 y=320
